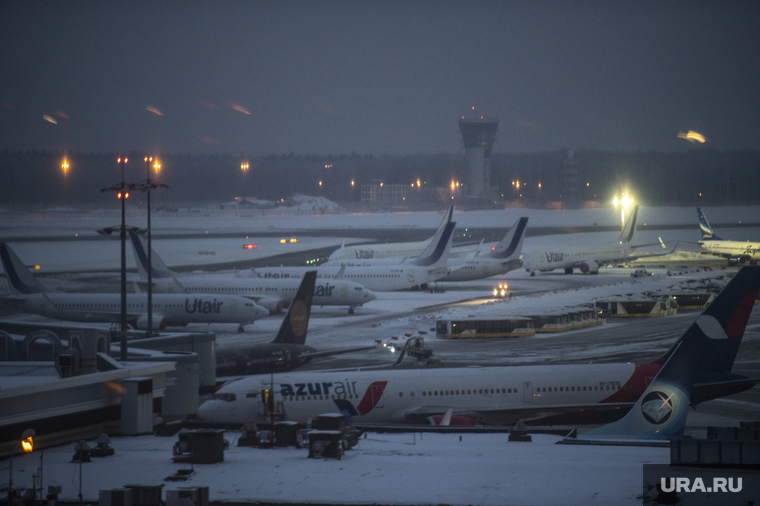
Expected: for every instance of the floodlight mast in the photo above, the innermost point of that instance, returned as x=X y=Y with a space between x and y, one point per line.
x=122 y=194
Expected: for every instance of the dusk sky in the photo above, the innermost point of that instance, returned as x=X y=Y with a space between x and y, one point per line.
x=261 y=77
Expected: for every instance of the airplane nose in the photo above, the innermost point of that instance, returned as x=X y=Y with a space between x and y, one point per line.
x=261 y=312
x=369 y=295
x=205 y=412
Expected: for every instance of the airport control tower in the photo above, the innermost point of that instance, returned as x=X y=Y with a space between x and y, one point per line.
x=478 y=134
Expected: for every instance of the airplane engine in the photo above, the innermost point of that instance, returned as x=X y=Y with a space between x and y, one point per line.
x=141 y=322
x=455 y=420
x=274 y=306
x=589 y=266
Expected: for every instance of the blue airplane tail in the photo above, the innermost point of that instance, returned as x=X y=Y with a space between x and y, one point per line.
x=704 y=226
x=20 y=280
x=710 y=344
x=158 y=270
x=511 y=246
x=437 y=251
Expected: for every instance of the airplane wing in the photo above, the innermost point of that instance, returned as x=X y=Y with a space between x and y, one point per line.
x=320 y=354
x=421 y=414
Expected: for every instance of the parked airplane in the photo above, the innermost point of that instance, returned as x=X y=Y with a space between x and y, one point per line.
x=713 y=339
x=273 y=294
x=503 y=258
x=587 y=259
x=503 y=395
x=410 y=274
x=733 y=250
x=397 y=249
x=168 y=309
x=288 y=350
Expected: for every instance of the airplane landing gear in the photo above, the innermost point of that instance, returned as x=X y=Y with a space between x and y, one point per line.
x=350 y=309
x=241 y=328
x=568 y=270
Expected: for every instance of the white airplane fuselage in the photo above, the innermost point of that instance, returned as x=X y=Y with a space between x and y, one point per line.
x=378 y=278
x=747 y=249
x=176 y=309
x=401 y=396
x=564 y=259
x=271 y=292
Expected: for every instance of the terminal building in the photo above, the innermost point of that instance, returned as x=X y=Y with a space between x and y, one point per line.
x=478 y=135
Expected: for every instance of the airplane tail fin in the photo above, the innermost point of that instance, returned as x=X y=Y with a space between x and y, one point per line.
x=630 y=227
x=160 y=270
x=20 y=280
x=510 y=247
x=710 y=343
x=447 y=217
x=296 y=322
x=704 y=226
x=437 y=252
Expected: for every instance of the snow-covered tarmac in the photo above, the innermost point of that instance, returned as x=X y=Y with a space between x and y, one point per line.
x=415 y=469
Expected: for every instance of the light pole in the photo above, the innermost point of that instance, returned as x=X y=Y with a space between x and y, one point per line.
x=122 y=193
x=146 y=188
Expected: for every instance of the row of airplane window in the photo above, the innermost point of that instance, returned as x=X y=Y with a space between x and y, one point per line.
x=100 y=306
x=373 y=275
x=240 y=289
x=464 y=392
x=583 y=389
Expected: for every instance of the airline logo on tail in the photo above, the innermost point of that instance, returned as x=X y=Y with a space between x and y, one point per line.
x=299 y=318
x=657 y=407
x=704 y=226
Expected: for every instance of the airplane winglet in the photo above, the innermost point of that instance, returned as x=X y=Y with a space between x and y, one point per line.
x=341 y=272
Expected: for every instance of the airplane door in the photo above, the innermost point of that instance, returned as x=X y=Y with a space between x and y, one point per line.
x=485 y=268
x=233 y=307
x=343 y=291
x=528 y=391
x=410 y=276
x=376 y=391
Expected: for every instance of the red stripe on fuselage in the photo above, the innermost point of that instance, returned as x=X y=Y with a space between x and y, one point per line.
x=371 y=397
x=636 y=384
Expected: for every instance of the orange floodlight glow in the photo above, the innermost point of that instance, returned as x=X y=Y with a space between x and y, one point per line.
x=27 y=444
x=692 y=136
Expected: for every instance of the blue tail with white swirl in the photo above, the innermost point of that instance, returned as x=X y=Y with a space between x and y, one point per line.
x=704 y=226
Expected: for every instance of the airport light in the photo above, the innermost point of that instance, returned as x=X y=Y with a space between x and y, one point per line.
x=65 y=169
x=623 y=202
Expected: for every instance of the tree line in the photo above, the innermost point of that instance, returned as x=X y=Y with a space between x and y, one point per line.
x=698 y=176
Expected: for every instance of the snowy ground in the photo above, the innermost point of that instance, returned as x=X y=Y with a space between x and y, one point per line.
x=385 y=468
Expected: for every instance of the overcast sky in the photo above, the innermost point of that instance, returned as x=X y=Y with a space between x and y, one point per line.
x=375 y=76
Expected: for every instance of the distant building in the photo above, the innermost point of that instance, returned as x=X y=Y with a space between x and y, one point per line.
x=478 y=135
x=380 y=193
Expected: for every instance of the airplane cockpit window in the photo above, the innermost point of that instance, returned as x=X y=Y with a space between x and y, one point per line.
x=223 y=397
